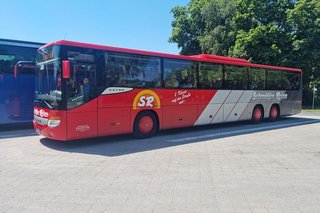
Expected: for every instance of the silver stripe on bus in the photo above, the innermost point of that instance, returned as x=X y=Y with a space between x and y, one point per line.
x=211 y=110
x=116 y=90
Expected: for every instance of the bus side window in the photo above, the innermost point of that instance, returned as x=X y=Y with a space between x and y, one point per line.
x=180 y=74
x=291 y=80
x=172 y=81
x=130 y=70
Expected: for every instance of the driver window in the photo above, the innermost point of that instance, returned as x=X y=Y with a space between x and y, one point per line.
x=81 y=85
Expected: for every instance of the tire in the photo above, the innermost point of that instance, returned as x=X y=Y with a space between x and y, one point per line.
x=257 y=114
x=145 y=125
x=274 y=113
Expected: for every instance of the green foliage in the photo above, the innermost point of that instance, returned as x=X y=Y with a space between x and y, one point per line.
x=263 y=34
x=187 y=26
x=305 y=22
x=276 y=32
x=218 y=34
x=203 y=26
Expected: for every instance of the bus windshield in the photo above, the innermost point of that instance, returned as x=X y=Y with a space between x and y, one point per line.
x=48 y=78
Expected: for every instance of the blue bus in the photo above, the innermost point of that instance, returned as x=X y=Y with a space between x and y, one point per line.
x=17 y=81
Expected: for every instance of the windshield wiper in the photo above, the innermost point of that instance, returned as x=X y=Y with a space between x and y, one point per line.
x=48 y=105
x=42 y=103
x=42 y=51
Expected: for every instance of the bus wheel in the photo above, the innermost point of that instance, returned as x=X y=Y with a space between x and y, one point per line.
x=257 y=114
x=145 y=125
x=274 y=113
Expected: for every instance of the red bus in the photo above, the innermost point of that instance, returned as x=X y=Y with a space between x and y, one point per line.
x=87 y=90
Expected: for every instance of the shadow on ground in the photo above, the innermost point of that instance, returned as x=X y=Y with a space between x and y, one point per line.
x=15 y=131
x=125 y=144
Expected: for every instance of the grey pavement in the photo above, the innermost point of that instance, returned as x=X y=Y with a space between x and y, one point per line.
x=269 y=167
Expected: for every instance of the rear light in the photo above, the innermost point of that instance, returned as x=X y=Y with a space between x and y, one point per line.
x=54 y=121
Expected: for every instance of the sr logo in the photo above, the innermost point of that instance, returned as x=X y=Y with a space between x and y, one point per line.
x=146 y=101
x=146 y=98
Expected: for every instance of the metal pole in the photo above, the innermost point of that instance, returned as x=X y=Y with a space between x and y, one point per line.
x=313 y=96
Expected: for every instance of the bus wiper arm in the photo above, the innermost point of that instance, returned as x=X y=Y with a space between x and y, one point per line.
x=48 y=105
x=41 y=103
x=42 y=51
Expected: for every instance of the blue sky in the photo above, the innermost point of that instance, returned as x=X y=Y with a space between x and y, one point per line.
x=140 y=24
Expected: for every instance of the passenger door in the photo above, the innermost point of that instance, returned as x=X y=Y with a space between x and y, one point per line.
x=81 y=94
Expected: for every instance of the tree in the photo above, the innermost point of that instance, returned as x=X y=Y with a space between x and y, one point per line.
x=204 y=26
x=305 y=22
x=276 y=32
x=187 y=25
x=218 y=31
x=263 y=34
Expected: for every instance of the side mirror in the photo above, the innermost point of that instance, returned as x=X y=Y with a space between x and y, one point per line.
x=23 y=67
x=66 y=69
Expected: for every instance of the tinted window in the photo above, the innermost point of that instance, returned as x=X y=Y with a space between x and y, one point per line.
x=274 y=80
x=180 y=74
x=210 y=76
x=10 y=55
x=81 y=86
x=291 y=80
x=48 y=88
x=127 y=70
x=257 y=78
x=235 y=77
x=25 y=68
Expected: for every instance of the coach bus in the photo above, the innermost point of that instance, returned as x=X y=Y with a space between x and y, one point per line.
x=87 y=90
x=17 y=68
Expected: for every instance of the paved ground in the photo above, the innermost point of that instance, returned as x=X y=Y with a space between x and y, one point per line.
x=269 y=167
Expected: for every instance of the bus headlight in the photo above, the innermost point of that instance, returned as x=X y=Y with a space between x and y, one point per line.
x=54 y=121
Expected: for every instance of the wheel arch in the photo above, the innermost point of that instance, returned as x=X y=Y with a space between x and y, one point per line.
x=139 y=115
x=147 y=110
x=278 y=109
x=276 y=105
x=253 y=119
x=259 y=105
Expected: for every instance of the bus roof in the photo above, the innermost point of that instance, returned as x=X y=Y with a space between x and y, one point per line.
x=200 y=57
x=20 y=43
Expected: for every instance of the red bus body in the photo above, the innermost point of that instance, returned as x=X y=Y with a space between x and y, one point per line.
x=121 y=110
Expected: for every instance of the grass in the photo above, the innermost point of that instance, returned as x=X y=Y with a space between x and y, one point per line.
x=310 y=110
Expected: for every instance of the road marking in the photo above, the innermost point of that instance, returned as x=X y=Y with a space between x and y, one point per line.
x=243 y=131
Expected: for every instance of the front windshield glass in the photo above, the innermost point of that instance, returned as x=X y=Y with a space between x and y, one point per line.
x=48 y=78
